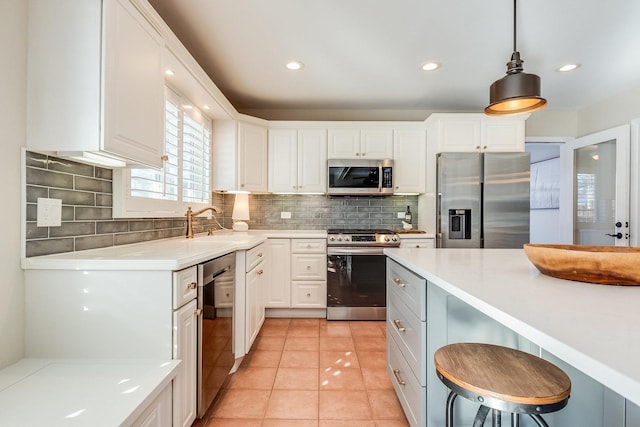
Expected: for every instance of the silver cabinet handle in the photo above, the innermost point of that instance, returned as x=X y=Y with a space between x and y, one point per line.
x=399 y=326
x=396 y=373
x=198 y=312
x=399 y=283
x=192 y=285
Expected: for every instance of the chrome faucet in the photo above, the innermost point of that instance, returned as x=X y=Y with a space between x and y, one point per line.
x=190 y=214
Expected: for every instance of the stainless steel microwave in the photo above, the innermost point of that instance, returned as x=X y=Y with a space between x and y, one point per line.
x=360 y=177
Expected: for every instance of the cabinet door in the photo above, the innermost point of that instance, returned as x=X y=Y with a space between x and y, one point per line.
x=278 y=290
x=312 y=160
x=500 y=134
x=254 y=303
x=376 y=143
x=458 y=134
x=185 y=348
x=283 y=160
x=409 y=161
x=344 y=144
x=133 y=85
x=252 y=161
x=309 y=294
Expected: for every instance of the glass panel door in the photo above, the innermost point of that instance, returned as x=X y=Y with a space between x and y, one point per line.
x=600 y=188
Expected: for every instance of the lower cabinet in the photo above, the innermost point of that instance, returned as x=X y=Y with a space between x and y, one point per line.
x=298 y=277
x=420 y=243
x=407 y=341
x=185 y=348
x=255 y=285
x=158 y=413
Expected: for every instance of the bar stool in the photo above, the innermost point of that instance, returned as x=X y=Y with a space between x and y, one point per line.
x=501 y=379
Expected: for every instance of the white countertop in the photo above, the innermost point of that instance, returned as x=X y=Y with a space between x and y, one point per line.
x=166 y=254
x=68 y=392
x=594 y=328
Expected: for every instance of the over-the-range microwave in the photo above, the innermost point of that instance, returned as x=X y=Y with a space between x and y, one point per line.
x=349 y=177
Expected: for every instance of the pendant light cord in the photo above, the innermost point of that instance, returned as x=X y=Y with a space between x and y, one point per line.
x=514 y=26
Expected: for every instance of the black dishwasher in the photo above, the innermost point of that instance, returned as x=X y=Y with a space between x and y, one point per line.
x=216 y=289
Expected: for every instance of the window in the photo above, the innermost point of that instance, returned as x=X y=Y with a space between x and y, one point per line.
x=185 y=178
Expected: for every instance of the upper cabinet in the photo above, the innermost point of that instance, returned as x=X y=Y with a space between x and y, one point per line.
x=95 y=80
x=298 y=160
x=240 y=155
x=360 y=143
x=476 y=132
x=409 y=159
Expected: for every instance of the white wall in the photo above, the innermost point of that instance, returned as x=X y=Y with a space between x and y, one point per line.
x=13 y=47
x=619 y=109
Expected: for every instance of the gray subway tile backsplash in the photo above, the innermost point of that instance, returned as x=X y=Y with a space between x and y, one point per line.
x=87 y=200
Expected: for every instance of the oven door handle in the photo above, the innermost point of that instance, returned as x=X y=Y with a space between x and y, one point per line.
x=355 y=251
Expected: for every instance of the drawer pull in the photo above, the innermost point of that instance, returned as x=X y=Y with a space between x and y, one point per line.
x=198 y=312
x=260 y=272
x=309 y=245
x=192 y=285
x=399 y=283
x=399 y=326
x=308 y=267
x=308 y=295
x=396 y=373
x=260 y=255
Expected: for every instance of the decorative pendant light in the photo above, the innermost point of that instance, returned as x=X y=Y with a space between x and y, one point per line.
x=517 y=92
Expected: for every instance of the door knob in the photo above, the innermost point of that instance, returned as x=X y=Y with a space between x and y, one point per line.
x=618 y=224
x=617 y=235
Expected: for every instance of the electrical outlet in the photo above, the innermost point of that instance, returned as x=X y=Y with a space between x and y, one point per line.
x=49 y=212
x=400 y=215
x=285 y=215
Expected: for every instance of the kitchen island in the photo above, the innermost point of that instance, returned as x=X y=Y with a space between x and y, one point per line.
x=590 y=331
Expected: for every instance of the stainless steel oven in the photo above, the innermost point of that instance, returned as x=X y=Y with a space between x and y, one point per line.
x=216 y=285
x=356 y=273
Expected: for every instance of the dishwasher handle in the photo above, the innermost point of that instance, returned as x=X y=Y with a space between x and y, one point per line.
x=211 y=277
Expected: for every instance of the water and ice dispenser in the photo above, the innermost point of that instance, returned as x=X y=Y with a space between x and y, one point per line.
x=460 y=224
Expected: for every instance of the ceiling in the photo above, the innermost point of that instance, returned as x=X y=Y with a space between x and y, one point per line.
x=367 y=54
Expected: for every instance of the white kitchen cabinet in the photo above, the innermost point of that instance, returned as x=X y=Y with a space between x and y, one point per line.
x=239 y=152
x=356 y=143
x=252 y=161
x=158 y=413
x=255 y=282
x=298 y=160
x=185 y=286
x=409 y=161
x=467 y=132
x=407 y=340
x=308 y=273
x=95 y=80
x=279 y=286
x=185 y=348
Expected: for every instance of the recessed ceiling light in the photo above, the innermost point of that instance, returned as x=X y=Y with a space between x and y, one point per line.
x=568 y=67
x=430 y=66
x=187 y=107
x=295 y=65
x=169 y=72
x=206 y=107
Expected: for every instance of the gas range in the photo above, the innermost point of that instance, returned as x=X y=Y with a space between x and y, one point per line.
x=362 y=237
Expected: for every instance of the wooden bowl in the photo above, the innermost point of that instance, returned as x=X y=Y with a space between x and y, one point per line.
x=607 y=265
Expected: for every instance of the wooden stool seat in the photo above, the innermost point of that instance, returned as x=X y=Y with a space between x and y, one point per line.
x=502 y=378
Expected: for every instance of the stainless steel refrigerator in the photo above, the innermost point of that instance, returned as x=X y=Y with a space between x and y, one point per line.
x=483 y=200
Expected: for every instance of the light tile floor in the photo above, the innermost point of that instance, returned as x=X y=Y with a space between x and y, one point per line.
x=311 y=372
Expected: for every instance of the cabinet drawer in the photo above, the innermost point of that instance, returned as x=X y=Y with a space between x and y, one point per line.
x=409 y=287
x=255 y=256
x=417 y=243
x=309 y=294
x=308 y=246
x=185 y=286
x=410 y=334
x=412 y=396
x=308 y=267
